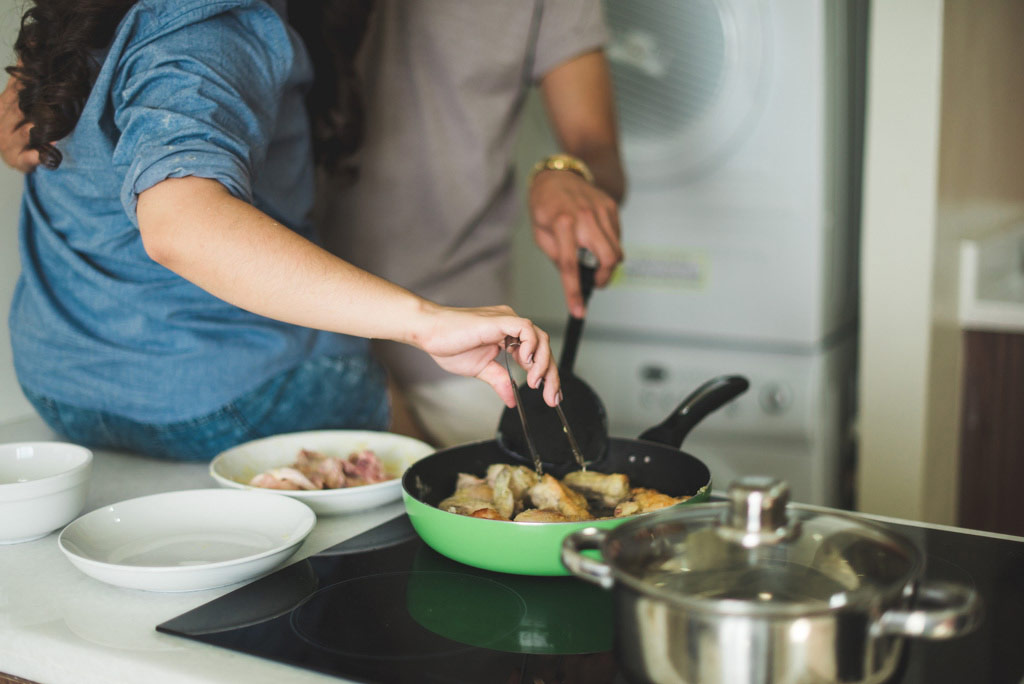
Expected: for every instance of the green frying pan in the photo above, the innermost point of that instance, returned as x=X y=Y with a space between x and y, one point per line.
x=654 y=460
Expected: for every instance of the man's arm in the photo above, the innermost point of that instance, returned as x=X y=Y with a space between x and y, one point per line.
x=580 y=102
x=14 y=131
x=567 y=212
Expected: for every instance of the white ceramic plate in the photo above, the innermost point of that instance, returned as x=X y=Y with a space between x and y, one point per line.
x=188 y=540
x=238 y=465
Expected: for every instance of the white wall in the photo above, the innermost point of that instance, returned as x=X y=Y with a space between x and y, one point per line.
x=898 y=248
x=12 y=403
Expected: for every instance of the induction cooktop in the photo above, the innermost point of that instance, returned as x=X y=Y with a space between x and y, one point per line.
x=383 y=607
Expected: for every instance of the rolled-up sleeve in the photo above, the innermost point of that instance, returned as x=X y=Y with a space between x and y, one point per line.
x=568 y=29
x=200 y=100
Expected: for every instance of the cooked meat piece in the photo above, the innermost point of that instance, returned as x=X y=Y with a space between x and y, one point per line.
x=468 y=499
x=541 y=515
x=503 y=499
x=510 y=485
x=521 y=478
x=604 y=490
x=465 y=480
x=496 y=469
x=488 y=513
x=627 y=508
x=642 y=500
x=482 y=491
x=282 y=478
x=652 y=499
x=454 y=504
x=550 y=493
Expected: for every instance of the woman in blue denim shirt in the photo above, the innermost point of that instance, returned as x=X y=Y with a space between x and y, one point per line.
x=173 y=300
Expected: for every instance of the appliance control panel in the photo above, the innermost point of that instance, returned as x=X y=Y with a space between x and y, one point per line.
x=641 y=384
x=789 y=424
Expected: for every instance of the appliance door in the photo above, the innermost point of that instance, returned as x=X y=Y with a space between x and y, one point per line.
x=689 y=77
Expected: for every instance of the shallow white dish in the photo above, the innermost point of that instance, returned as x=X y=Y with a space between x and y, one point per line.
x=43 y=485
x=187 y=540
x=238 y=465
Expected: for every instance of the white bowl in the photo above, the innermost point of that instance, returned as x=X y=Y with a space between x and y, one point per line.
x=188 y=540
x=42 y=487
x=238 y=465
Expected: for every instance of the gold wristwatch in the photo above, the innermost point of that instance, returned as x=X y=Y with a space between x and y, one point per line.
x=561 y=162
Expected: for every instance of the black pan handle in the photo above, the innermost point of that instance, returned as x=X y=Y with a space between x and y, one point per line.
x=574 y=329
x=710 y=396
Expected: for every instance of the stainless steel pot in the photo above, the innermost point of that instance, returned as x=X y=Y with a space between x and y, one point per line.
x=755 y=590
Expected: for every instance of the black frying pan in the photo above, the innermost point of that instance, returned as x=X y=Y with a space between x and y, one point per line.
x=654 y=460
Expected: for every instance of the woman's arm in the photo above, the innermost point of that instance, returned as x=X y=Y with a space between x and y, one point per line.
x=196 y=228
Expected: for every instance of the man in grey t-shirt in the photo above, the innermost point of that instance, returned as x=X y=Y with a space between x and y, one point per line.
x=434 y=207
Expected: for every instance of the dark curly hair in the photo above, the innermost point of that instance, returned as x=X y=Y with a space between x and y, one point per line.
x=333 y=31
x=56 y=69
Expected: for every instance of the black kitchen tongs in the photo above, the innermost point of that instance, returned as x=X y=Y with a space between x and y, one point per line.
x=577 y=430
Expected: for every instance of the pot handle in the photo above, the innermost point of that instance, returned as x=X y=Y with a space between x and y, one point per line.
x=954 y=610
x=582 y=566
x=709 y=397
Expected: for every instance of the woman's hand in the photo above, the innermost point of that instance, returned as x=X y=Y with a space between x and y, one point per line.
x=14 y=131
x=467 y=341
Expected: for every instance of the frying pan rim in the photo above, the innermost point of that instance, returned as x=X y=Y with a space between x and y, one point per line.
x=704 y=488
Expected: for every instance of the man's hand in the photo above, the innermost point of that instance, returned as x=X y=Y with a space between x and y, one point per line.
x=567 y=212
x=14 y=132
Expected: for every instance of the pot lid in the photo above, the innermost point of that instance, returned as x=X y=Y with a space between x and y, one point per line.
x=757 y=552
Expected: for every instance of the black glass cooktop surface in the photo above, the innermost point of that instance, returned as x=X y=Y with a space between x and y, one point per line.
x=383 y=607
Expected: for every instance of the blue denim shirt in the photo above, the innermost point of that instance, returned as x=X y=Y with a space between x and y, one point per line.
x=209 y=88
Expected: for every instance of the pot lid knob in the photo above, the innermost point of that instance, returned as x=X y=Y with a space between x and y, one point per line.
x=757 y=511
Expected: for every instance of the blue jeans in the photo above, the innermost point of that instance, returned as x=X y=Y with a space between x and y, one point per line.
x=347 y=392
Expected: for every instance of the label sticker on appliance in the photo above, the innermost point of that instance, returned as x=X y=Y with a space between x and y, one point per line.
x=660 y=267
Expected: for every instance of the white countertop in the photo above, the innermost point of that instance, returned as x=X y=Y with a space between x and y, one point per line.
x=58 y=626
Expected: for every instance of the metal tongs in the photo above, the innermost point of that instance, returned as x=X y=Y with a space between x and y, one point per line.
x=510 y=344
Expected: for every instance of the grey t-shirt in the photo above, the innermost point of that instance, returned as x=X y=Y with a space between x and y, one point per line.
x=444 y=87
